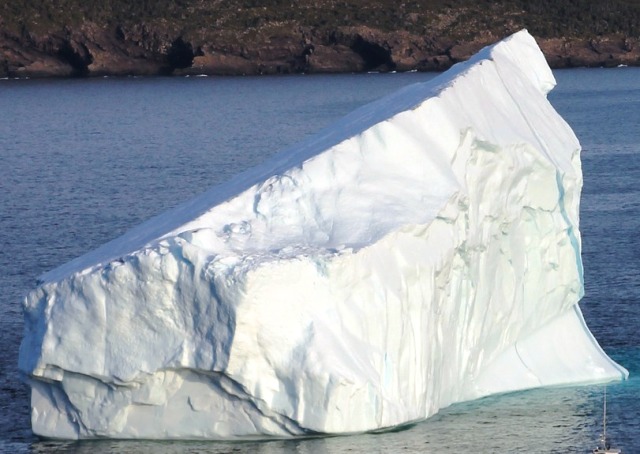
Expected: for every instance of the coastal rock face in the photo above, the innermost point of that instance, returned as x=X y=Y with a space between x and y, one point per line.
x=145 y=49
x=119 y=37
x=422 y=251
x=597 y=52
x=89 y=51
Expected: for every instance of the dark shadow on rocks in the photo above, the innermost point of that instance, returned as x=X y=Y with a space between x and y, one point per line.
x=78 y=58
x=4 y=68
x=374 y=55
x=180 y=55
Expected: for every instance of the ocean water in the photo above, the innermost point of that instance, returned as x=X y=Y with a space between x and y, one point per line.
x=84 y=160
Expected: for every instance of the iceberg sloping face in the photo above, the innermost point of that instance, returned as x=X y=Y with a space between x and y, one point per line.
x=422 y=251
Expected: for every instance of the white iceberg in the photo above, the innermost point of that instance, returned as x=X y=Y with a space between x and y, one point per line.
x=422 y=251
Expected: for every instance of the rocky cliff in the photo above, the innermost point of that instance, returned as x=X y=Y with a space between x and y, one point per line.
x=180 y=37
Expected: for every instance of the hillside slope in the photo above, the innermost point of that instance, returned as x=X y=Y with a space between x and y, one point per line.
x=40 y=38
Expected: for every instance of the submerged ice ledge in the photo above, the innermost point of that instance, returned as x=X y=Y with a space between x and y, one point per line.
x=422 y=251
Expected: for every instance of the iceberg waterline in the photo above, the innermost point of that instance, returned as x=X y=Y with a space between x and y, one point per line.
x=422 y=251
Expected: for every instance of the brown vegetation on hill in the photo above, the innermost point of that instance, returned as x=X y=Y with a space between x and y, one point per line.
x=121 y=37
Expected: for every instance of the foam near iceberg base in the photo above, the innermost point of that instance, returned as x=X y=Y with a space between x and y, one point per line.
x=422 y=251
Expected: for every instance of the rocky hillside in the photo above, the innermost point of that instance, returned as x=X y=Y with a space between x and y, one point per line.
x=40 y=38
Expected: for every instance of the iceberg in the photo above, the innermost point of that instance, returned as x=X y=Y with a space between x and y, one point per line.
x=422 y=251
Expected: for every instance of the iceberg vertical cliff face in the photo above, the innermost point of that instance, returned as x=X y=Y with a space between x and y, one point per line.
x=422 y=251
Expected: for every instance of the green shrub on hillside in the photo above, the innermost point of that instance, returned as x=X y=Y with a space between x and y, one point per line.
x=463 y=18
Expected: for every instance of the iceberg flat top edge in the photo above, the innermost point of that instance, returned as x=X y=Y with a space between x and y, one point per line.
x=519 y=49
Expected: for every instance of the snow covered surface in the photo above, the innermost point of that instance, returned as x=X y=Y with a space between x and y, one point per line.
x=422 y=251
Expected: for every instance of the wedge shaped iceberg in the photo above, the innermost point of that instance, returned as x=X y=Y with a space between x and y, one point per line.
x=422 y=251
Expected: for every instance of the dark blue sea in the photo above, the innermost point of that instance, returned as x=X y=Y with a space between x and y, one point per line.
x=81 y=161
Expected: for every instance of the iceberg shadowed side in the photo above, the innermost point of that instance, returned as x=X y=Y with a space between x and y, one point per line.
x=422 y=251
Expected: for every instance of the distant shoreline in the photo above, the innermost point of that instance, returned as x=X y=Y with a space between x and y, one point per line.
x=73 y=38
x=30 y=61
x=301 y=74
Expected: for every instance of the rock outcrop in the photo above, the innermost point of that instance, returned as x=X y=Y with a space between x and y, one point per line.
x=244 y=37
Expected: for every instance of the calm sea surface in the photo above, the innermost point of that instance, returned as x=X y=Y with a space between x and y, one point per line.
x=81 y=161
